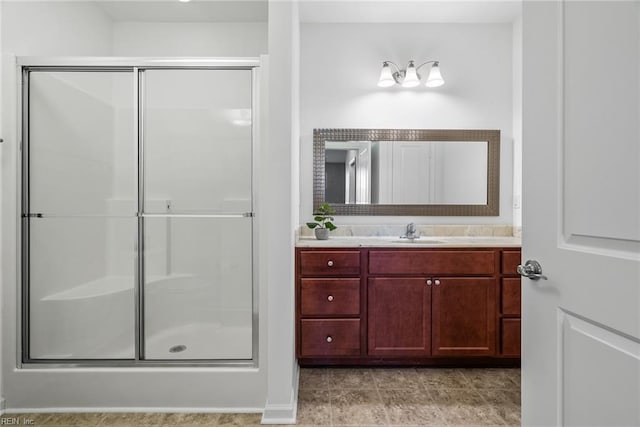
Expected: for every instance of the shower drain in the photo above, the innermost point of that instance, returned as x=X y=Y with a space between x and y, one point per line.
x=177 y=348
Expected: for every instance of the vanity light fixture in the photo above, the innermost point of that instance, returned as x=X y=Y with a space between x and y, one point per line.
x=409 y=77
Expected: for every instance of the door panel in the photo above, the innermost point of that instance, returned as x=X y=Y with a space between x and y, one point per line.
x=81 y=281
x=412 y=173
x=81 y=151
x=601 y=125
x=610 y=375
x=464 y=316
x=79 y=219
x=197 y=133
x=581 y=216
x=198 y=288
x=399 y=317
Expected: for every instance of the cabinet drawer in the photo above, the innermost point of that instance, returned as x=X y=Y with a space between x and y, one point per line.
x=510 y=261
x=511 y=296
x=511 y=337
x=432 y=262
x=329 y=297
x=329 y=263
x=339 y=337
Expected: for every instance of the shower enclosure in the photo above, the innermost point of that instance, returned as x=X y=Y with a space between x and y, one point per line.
x=137 y=212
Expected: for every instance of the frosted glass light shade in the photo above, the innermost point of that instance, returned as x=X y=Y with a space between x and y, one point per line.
x=386 y=76
x=435 y=77
x=411 y=78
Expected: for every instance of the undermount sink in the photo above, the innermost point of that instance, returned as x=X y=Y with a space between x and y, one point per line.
x=422 y=240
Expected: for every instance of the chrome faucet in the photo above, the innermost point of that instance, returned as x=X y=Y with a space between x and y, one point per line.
x=411 y=233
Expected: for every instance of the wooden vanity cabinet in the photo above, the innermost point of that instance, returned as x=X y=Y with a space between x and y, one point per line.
x=399 y=317
x=510 y=304
x=463 y=321
x=441 y=312
x=409 y=306
x=328 y=303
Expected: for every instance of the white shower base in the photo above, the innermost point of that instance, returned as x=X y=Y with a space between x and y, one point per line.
x=95 y=321
x=201 y=341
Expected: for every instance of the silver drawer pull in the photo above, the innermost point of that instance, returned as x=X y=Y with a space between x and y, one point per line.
x=329 y=338
x=437 y=282
x=330 y=298
x=330 y=263
x=429 y=282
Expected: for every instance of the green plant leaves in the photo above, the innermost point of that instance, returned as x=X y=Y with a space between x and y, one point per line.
x=322 y=218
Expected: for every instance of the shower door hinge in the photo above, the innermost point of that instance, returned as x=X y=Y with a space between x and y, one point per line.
x=32 y=215
x=248 y=214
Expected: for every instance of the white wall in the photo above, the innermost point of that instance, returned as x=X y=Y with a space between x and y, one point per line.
x=340 y=66
x=517 y=123
x=55 y=29
x=278 y=200
x=2 y=401
x=189 y=39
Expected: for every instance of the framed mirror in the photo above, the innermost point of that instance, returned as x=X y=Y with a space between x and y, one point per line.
x=407 y=172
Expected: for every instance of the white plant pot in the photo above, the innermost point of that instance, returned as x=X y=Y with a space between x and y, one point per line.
x=321 y=233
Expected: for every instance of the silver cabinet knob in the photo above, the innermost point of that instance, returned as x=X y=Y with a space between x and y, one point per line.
x=531 y=270
x=330 y=298
x=429 y=282
x=329 y=338
x=437 y=283
x=330 y=263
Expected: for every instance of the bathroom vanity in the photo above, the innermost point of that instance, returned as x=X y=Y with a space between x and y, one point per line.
x=375 y=301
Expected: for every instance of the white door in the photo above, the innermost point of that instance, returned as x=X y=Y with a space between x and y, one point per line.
x=411 y=173
x=581 y=189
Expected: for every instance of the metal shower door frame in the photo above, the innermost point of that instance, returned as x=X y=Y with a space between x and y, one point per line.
x=136 y=66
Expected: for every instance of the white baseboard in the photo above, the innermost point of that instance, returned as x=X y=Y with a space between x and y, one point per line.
x=3 y=406
x=286 y=413
x=164 y=409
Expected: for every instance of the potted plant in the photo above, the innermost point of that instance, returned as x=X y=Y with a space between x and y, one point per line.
x=322 y=222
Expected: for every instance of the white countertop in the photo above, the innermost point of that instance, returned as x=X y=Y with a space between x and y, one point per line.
x=422 y=242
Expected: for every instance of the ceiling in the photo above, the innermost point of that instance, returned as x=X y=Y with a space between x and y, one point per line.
x=410 y=11
x=316 y=11
x=194 y=11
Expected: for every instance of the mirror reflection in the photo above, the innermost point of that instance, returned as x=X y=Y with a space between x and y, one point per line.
x=406 y=172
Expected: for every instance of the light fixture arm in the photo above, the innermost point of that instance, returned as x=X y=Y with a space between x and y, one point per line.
x=399 y=74
x=425 y=63
x=392 y=63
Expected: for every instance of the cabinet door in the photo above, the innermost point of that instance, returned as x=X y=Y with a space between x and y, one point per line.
x=399 y=313
x=464 y=316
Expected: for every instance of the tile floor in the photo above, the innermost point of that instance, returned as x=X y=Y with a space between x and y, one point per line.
x=409 y=397
x=359 y=397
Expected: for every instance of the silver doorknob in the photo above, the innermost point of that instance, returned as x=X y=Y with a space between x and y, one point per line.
x=429 y=282
x=531 y=270
x=329 y=338
x=437 y=282
x=330 y=263
x=330 y=298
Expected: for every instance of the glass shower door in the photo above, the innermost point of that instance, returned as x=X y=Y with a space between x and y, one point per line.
x=197 y=214
x=79 y=216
